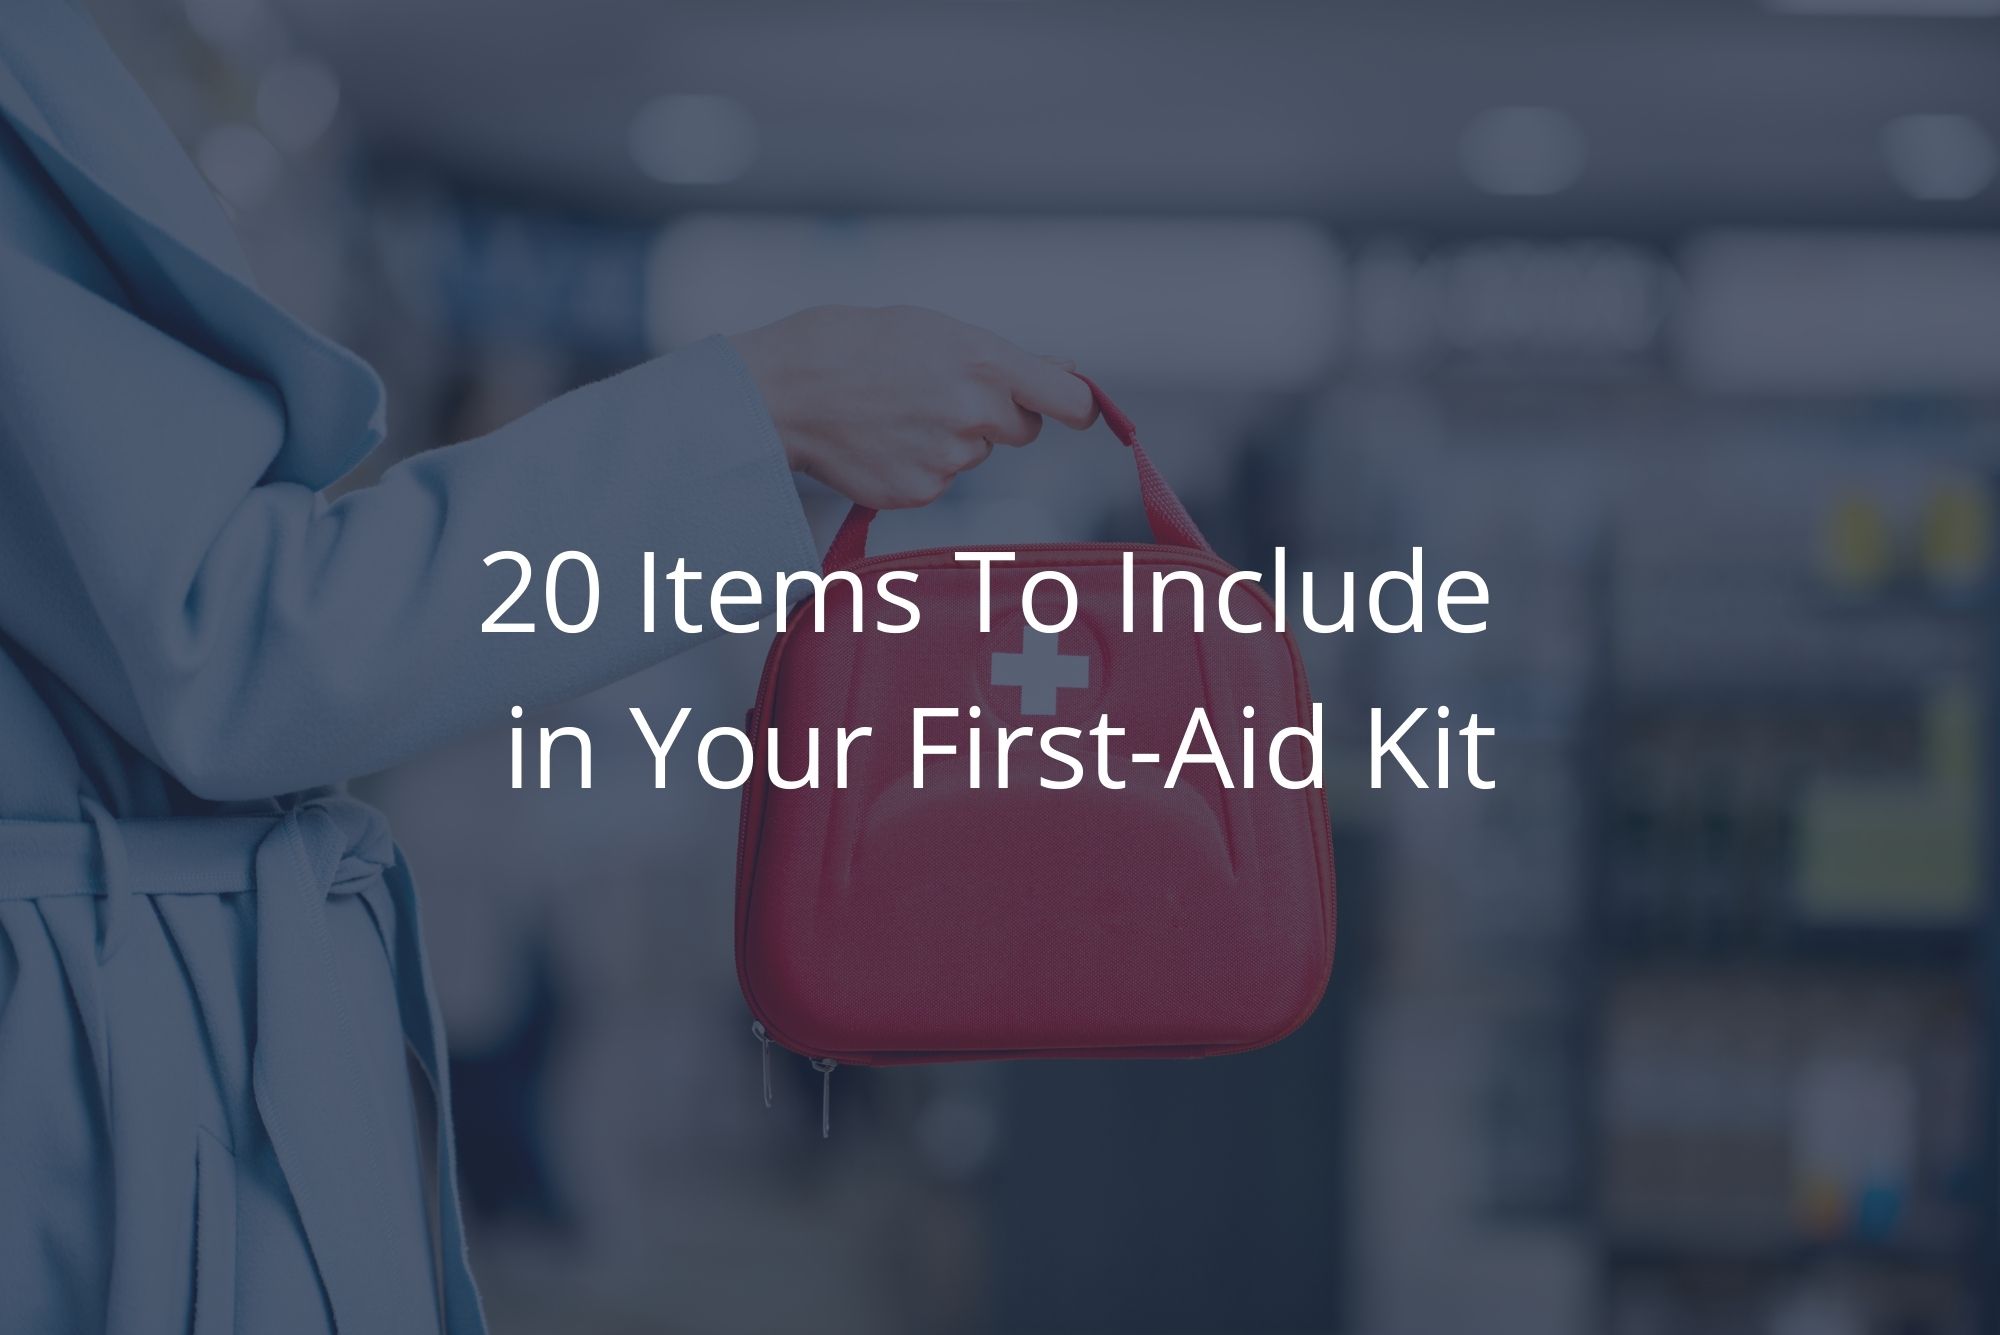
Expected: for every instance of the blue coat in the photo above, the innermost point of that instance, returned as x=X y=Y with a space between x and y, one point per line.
x=210 y=961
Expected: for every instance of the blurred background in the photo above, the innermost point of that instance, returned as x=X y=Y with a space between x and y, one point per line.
x=1680 y=322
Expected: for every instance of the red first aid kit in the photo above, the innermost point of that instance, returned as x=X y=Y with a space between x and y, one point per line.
x=883 y=922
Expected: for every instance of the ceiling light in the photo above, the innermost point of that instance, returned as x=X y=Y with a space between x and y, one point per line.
x=1250 y=303
x=240 y=162
x=1523 y=150
x=693 y=139
x=241 y=27
x=1938 y=156
x=296 y=102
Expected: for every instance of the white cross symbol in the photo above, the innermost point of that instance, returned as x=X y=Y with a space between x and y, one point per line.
x=1040 y=670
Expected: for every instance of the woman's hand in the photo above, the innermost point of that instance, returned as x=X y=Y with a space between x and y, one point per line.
x=887 y=405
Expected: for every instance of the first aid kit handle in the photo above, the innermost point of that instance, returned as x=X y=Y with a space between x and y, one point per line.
x=1172 y=525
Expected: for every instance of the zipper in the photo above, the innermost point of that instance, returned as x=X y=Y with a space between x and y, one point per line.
x=764 y=1041
x=824 y=1065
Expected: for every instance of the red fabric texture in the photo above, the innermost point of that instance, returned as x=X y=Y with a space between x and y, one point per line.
x=883 y=923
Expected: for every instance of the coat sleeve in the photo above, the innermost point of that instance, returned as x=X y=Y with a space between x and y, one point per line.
x=254 y=639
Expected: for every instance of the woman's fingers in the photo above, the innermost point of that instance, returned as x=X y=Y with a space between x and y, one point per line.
x=1012 y=425
x=1043 y=386
x=888 y=404
x=971 y=456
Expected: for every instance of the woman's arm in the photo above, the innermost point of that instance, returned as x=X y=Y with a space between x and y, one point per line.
x=254 y=639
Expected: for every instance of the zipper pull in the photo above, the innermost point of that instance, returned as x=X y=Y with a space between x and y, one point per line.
x=764 y=1039
x=825 y=1065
